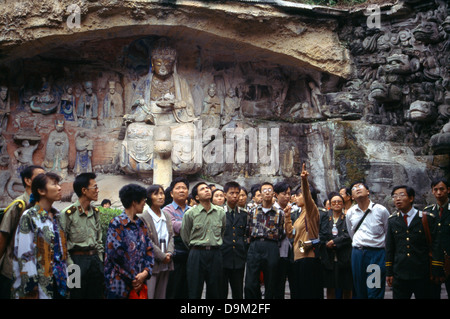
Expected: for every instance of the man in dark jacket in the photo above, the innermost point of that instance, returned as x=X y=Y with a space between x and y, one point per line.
x=407 y=248
x=234 y=250
x=441 y=210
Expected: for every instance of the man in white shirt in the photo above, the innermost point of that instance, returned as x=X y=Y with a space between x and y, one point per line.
x=368 y=254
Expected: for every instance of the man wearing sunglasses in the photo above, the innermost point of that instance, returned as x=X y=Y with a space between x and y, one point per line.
x=367 y=225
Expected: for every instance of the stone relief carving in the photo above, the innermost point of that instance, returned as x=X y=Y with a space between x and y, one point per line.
x=401 y=79
x=29 y=141
x=112 y=107
x=404 y=68
x=167 y=97
x=84 y=147
x=87 y=108
x=212 y=108
x=166 y=103
x=57 y=150
x=232 y=108
x=137 y=149
x=46 y=101
x=68 y=104
x=5 y=106
x=24 y=154
x=4 y=156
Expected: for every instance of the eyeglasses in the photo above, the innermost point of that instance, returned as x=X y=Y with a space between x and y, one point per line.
x=357 y=187
x=337 y=202
x=401 y=195
x=267 y=190
x=93 y=187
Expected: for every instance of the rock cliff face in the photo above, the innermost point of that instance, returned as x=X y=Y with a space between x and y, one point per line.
x=356 y=94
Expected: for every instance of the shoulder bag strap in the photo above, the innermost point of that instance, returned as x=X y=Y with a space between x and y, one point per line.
x=361 y=220
x=426 y=228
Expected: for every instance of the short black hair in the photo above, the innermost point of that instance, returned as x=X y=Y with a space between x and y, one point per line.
x=297 y=189
x=231 y=184
x=332 y=194
x=359 y=182
x=27 y=172
x=281 y=187
x=82 y=181
x=215 y=191
x=312 y=190
x=40 y=182
x=105 y=201
x=153 y=189
x=245 y=190
x=179 y=179
x=255 y=188
x=348 y=190
x=314 y=193
x=409 y=190
x=438 y=180
x=132 y=193
x=265 y=183
x=168 y=198
x=195 y=190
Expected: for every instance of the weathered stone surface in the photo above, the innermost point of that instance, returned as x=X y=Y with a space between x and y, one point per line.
x=311 y=84
x=232 y=31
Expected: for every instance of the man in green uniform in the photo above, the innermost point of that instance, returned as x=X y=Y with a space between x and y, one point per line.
x=407 y=248
x=81 y=224
x=202 y=230
x=441 y=190
x=8 y=229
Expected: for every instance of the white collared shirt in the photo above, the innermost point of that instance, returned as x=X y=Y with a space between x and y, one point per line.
x=372 y=232
x=410 y=215
x=160 y=226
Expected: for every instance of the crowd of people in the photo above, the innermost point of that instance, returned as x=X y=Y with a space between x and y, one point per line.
x=171 y=243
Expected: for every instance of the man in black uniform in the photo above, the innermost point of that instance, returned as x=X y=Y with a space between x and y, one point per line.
x=441 y=210
x=234 y=250
x=407 y=248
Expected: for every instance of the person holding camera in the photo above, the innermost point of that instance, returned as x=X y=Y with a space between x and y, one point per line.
x=305 y=231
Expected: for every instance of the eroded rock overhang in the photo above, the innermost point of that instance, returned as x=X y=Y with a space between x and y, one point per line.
x=297 y=36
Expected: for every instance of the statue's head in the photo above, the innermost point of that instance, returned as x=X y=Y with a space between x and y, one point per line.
x=446 y=24
x=88 y=87
x=422 y=111
x=212 y=89
x=385 y=92
x=112 y=87
x=231 y=92
x=69 y=89
x=163 y=59
x=398 y=64
x=59 y=125
x=3 y=92
x=427 y=31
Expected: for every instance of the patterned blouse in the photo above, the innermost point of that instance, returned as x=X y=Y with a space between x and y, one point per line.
x=128 y=251
x=40 y=256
